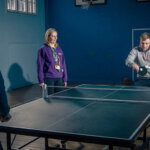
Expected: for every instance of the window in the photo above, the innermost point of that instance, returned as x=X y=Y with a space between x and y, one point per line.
x=22 y=6
x=11 y=5
x=32 y=6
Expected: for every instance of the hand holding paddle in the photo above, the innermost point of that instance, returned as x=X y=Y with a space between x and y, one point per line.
x=135 y=67
x=141 y=70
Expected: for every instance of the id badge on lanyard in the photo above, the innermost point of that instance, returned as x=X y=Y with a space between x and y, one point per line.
x=57 y=59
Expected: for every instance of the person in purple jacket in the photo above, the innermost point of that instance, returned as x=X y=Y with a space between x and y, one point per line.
x=51 y=67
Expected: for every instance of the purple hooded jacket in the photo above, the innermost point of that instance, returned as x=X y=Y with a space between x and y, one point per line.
x=46 y=64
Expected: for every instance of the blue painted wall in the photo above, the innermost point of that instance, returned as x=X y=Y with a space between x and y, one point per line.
x=96 y=42
x=21 y=35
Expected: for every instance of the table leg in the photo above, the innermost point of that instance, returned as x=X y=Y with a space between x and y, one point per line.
x=46 y=144
x=8 y=141
x=110 y=147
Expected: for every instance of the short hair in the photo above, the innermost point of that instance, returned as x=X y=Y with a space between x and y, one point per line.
x=144 y=36
x=49 y=32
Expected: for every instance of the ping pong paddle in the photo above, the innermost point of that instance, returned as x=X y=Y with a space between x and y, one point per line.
x=142 y=71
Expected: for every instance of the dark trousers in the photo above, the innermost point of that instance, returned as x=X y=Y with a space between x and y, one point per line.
x=53 y=82
x=142 y=82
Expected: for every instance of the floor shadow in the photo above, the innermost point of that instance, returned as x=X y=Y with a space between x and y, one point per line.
x=20 y=90
x=24 y=94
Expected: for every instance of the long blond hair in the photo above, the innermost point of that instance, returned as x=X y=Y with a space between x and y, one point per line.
x=48 y=33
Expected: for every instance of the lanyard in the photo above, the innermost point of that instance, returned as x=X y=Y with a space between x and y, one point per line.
x=145 y=56
x=55 y=56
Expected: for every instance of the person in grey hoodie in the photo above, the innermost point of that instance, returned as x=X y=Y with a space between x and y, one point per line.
x=140 y=57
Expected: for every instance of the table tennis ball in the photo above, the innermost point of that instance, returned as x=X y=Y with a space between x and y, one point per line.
x=141 y=69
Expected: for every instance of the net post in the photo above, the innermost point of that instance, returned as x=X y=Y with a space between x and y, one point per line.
x=44 y=91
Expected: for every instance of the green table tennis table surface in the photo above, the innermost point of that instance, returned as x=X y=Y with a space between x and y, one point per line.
x=95 y=113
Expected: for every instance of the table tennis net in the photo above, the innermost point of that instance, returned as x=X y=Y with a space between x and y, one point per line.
x=93 y=92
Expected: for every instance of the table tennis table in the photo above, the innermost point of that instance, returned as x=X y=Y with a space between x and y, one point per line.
x=102 y=114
